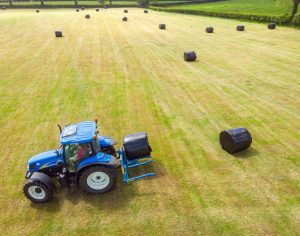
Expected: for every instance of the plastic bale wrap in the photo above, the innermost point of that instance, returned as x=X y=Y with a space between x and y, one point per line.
x=235 y=140
x=136 y=146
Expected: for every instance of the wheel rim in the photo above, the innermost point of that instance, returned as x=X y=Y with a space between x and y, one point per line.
x=98 y=180
x=36 y=192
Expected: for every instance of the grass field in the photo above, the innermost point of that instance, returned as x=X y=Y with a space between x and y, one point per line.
x=83 y=3
x=67 y=3
x=251 y=7
x=133 y=77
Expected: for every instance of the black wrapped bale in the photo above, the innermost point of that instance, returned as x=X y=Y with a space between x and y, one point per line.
x=97 y=9
x=145 y=11
x=82 y=8
x=136 y=145
x=162 y=26
x=209 y=29
x=240 y=28
x=87 y=17
x=189 y=56
x=3 y=8
x=58 y=34
x=124 y=18
x=125 y=11
x=271 y=26
x=105 y=7
x=37 y=11
x=77 y=10
x=235 y=140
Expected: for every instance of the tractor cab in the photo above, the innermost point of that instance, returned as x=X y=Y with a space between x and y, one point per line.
x=79 y=141
x=85 y=159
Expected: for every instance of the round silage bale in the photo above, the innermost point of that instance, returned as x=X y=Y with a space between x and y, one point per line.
x=209 y=29
x=235 y=140
x=240 y=28
x=189 y=56
x=58 y=34
x=162 y=26
x=271 y=25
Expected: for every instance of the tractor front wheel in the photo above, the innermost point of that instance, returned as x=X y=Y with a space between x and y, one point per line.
x=36 y=191
x=97 y=179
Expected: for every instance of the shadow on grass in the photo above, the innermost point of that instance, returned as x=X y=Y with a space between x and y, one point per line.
x=118 y=198
x=250 y=152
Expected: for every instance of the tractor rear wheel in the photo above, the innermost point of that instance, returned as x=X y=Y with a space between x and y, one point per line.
x=36 y=191
x=98 y=179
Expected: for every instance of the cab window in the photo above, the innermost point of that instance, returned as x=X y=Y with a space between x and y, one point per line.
x=96 y=145
x=74 y=153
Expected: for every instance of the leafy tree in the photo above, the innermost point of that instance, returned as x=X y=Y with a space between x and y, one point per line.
x=75 y=2
x=143 y=3
x=42 y=2
x=295 y=6
x=101 y=2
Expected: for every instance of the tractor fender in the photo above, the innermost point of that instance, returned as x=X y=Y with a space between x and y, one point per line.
x=43 y=178
x=112 y=163
x=105 y=141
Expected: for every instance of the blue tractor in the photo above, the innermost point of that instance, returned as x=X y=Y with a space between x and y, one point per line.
x=85 y=159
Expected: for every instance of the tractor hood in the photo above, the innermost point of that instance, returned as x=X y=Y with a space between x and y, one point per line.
x=43 y=160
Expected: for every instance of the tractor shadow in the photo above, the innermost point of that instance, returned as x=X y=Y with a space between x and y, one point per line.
x=53 y=206
x=250 y=152
x=117 y=199
x=120 y=197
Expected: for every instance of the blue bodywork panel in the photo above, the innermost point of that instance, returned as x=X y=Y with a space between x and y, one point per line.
x=99 y=158
x=44 y=160
x=105 y=141
x=82 y=132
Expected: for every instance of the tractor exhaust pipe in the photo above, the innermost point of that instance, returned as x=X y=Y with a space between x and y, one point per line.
x=60 y=130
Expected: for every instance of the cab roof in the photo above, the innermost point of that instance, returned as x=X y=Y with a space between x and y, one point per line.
x=81 y=132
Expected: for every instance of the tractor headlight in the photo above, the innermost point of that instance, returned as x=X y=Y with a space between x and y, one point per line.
x=32 y=166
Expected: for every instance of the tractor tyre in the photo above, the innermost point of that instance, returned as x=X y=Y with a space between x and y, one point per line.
x=36 y=191
x=98 y=179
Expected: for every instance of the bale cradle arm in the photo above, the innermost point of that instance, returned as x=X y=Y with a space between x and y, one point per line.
x=126 y=164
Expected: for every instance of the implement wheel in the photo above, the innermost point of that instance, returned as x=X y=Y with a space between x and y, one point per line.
x=98 y=179
x=36 y=191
